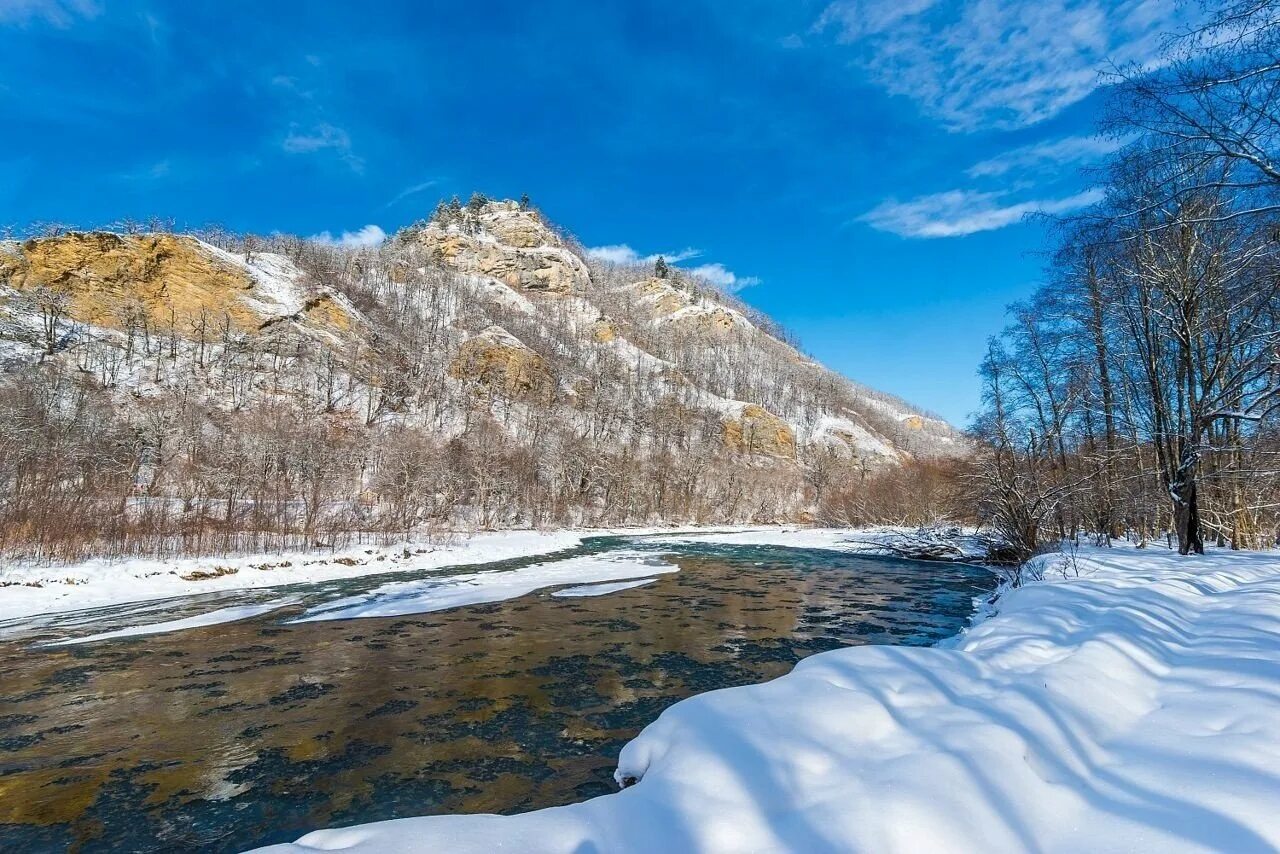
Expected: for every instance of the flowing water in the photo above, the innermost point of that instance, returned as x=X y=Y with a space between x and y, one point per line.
x=224 y=737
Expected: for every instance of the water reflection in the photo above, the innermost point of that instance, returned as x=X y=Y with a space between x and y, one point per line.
x=224 y=737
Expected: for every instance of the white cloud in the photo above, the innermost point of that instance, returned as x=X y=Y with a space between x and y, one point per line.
x=622 y=254
x=723 y=278
x=1054 y=153
x=956 y=213
x=715 y=274
x=977 y=64
x=321 y=137
x=57 y=13
x=370 y=235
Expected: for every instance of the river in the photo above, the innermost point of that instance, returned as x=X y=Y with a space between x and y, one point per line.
x=229 y=736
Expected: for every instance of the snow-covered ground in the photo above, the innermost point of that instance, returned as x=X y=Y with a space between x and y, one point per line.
x=28 y=589
x=1129 y=702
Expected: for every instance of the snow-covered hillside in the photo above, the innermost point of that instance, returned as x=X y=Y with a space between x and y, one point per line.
x=475 y=371
x=1127 y=702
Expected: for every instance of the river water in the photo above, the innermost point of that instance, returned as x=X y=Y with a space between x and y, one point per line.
x=225 y=737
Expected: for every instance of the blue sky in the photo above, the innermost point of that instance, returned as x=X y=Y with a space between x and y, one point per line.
x=858 y=169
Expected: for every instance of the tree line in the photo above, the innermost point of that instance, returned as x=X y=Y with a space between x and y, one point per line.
x=1136 y=393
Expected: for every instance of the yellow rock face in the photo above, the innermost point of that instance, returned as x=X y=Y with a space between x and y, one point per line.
x=758 y=431
x=913 y=422
x=111 y=278
x=521 y=229
x=715 y=321
x=504 y=365
x=327 y=313
x=166 y=281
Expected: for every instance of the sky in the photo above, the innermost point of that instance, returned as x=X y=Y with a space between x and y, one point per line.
x=861 y=170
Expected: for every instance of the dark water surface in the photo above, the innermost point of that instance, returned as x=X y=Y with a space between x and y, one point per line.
x=230 y=736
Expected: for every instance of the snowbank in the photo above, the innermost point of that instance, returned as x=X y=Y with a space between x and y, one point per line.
x=1128 y=703
x=26 y=590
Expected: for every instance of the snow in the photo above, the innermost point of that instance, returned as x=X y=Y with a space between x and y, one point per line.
x=276 y=279
x=211 y=618
x=422 y=596
x=831 y=428
x=600 y=589
x=1127 y=702
x=31 y=589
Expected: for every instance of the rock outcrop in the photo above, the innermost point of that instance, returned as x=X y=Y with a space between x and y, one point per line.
x=498 y=361
x=501 y=241
x=669 y=301
x=758 y=431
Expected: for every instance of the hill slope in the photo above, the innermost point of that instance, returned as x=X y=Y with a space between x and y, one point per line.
x=476 y=369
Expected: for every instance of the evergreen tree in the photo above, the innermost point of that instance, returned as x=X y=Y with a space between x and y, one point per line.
x=660 y=268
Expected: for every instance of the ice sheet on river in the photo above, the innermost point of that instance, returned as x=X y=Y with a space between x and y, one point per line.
x=424 y=595
x=600 y=589
x=209 y=618
x=1128 y=704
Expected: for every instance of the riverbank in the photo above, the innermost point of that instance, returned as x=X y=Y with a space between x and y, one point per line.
x=1126 y=702
x=34 y=589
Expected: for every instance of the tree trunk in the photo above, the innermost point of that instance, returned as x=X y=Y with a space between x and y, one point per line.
x=1186 y=515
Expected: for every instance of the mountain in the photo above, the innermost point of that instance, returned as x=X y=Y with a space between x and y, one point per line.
x=478 y=369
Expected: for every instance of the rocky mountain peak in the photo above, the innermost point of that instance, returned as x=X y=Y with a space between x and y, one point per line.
x=506 y=241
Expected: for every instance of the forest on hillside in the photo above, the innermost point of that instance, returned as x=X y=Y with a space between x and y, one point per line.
x=405 y=396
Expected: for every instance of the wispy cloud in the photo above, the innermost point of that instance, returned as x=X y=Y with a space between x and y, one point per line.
x=154 y=172
x=57 y=13
x=621 y=253
x=956 y=213
x=370 y=235
x=411 y=191
x=1050 y=154
x=322 y=137
x=859 y=18
x=976 y=64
